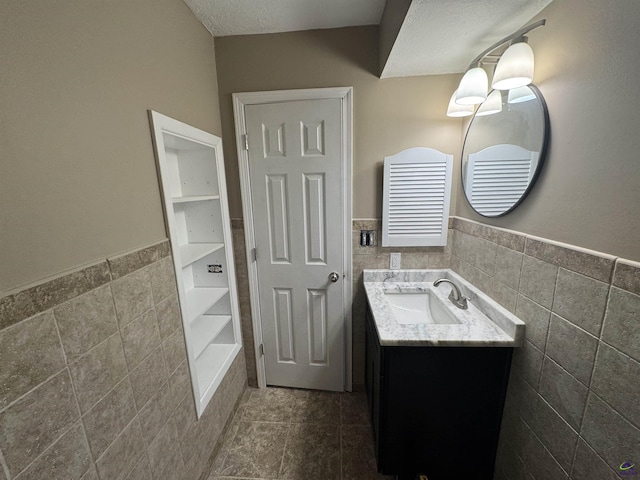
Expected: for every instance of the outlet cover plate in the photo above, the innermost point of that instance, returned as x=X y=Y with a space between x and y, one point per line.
x=395 y=261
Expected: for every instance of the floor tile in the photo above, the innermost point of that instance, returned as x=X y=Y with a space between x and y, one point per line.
x=312 y=452
x=358 y=457
x=354 y=410
x=316 y=407
x=256 y=450
x=270 y=405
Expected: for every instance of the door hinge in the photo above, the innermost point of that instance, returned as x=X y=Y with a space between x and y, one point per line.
x=254 y=254
x=245 y=141
x=262 y=349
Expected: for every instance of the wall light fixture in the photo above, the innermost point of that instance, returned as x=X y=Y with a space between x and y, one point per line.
x=514 y=69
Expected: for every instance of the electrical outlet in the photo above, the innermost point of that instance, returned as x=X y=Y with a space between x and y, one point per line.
x=394 y=263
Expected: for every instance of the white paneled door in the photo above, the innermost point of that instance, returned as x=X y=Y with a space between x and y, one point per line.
x=295 y=169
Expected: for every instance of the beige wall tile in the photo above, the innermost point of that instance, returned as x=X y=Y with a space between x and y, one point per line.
x=608 y=433
x=98 y=371
x=92 y=474
x=168 y=314
x=563 y=392
x=527 y=362
x=132 y=295
x=33 y=300
x=557 y=435
x=588 y=465
x=127 y=263
x=33 y=423
x=163 y=279
x=536 y=318
x=621 y=322
x=572 y=348
x=140 y=338
x=148 y=377
x=581 y=300
x=505 y=296
x=86 y=321
x=142 y=470
x=104 y=422
x=614 y=382
x=538 y=280
x=508 y=266
x=174 y=350
x=180 y=382
x=592 y=265
x=67 y=459
x=156 y=412
x=627 y=275
x=30 y=352
x=162 y=447
x=185 y=415
x=123 y=454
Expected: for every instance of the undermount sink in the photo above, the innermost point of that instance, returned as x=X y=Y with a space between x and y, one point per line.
x=409 y=310
x=417 y=307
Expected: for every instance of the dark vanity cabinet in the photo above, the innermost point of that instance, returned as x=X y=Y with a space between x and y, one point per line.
x=435 y=410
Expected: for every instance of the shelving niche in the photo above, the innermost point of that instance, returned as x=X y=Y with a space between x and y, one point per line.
x=191 y=173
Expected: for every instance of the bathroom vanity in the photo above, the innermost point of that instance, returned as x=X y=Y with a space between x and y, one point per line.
x=436 y=375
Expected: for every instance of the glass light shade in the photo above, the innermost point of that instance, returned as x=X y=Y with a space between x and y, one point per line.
x=493 y=104
x=515 y=68
x=473 y=87
x=456 y=110
x=520 y=95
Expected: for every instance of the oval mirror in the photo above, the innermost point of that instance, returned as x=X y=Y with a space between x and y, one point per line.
x=504 y=150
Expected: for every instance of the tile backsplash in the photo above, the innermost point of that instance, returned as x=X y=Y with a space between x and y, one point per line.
x=572 y=408
x=94 y=381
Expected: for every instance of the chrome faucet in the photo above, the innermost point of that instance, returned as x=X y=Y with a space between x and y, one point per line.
x=455 y=296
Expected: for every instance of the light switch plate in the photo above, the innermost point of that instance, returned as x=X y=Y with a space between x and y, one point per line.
x=395 y=261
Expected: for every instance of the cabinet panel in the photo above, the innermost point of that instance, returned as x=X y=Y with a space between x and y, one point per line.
x=436 y=410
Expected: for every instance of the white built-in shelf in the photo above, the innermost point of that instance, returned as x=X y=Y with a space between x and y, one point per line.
x=211 y=361
x=201 y=299
x=192 y=252
x=205 y=329
x=195 y=198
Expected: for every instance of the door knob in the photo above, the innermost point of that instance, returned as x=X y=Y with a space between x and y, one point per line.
x=333 y=276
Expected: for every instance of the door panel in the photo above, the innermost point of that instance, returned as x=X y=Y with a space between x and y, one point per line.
x=295 y=170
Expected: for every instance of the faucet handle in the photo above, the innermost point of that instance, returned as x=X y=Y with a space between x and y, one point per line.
x=460 y=302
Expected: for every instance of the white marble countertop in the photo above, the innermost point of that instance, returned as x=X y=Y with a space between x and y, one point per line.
x=484 y=324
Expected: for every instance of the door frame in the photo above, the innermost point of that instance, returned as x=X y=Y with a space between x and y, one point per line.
x=240 y=100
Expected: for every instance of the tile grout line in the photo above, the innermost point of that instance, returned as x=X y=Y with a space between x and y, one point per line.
x=4 y=466
x=75 y=393
x=52 y=444
x=145 y=453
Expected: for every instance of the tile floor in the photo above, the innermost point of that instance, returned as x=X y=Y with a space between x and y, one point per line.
x=281 y=433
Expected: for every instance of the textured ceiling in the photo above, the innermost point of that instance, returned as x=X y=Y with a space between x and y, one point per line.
x=244 y=17
x=440 y=37
x=436 y=37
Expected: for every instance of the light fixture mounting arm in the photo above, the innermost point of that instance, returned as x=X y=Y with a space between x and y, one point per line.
x=519 y=34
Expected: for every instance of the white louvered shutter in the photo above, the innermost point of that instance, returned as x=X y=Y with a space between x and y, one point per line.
x=499 y=175
x=417 y=193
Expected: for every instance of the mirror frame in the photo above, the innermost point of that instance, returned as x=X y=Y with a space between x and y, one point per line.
x=543 y=153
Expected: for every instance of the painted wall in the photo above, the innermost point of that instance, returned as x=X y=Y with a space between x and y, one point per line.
x=389 y=115
x=589 y=190
x=78 y=178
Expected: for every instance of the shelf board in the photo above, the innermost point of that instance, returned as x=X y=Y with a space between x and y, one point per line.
x=208 y=365
x=201 y=299
x=194 y=198
x=205 y=328
x=192 y=252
